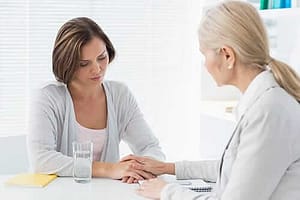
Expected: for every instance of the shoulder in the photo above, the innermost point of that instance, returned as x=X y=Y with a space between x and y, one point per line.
x=51 y=91
x=53 y=88
x=276 y=103
x=279 y=100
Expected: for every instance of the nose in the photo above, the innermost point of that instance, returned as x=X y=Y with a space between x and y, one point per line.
x=96 y=67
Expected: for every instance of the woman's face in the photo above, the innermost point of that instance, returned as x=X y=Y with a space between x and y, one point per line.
x=93 y=63
x=215 y=63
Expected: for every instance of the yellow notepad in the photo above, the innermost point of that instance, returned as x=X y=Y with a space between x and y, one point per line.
x=32 y=180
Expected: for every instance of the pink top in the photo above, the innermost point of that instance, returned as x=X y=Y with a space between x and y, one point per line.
x=97 y=136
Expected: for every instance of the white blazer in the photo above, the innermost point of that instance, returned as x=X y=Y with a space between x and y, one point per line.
x=262 y=158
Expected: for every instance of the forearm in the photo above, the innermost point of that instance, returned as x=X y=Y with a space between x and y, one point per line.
x=102 y=169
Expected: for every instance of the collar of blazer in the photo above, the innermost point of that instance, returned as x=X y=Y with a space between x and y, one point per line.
x=259 y=85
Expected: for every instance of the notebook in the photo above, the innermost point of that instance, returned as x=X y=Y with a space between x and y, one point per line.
x=31 y=180
x=201 y=188
x=197 y=185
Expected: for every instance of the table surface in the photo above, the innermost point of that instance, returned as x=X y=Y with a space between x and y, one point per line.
x=66 y=188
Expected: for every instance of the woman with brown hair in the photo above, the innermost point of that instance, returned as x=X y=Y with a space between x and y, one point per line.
x=81 y=106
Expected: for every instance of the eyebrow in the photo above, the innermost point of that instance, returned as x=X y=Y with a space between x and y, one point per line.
x=98 y=55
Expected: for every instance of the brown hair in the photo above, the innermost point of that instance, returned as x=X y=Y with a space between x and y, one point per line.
x=237 y=24
x=71 y=37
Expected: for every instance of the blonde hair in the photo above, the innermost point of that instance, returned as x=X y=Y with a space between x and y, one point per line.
x=238 y=25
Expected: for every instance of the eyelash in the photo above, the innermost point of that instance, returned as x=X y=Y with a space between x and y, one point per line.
x=85 y=64
x=82 y=65
x=101 y=58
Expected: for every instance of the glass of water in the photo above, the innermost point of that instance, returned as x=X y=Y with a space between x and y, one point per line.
x=83 y=158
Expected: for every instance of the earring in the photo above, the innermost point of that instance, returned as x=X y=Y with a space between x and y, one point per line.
x=229 y=67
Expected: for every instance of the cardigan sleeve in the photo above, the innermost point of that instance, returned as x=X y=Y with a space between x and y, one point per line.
x=207 y=170
x=43 y=137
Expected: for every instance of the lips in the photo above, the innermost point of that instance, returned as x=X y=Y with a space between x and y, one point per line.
x=96 y=77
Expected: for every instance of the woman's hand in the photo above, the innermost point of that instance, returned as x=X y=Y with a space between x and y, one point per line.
x=151 y=165
x=128 y=171
x=152 y=188
x=130 y=179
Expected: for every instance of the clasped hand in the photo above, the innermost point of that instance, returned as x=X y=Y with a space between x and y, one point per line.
x=130 y=171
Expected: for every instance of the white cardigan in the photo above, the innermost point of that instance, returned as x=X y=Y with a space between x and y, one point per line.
x=262 y=160
x=53 y=128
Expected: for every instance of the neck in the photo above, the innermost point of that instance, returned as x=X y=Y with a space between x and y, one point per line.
x=82 y=92
x=244 y=76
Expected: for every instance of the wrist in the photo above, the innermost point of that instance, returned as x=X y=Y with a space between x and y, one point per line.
x=169 y=168
x=101 y=169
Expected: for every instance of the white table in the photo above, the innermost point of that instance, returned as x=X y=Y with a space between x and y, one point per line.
x=68 y=189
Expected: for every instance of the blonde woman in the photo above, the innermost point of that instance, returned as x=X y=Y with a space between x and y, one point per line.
x=81 y=106
x=262 y=158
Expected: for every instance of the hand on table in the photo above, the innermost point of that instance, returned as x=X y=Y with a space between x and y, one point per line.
x=152 y=188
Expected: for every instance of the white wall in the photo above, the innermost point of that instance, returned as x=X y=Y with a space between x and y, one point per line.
x=13 y=155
